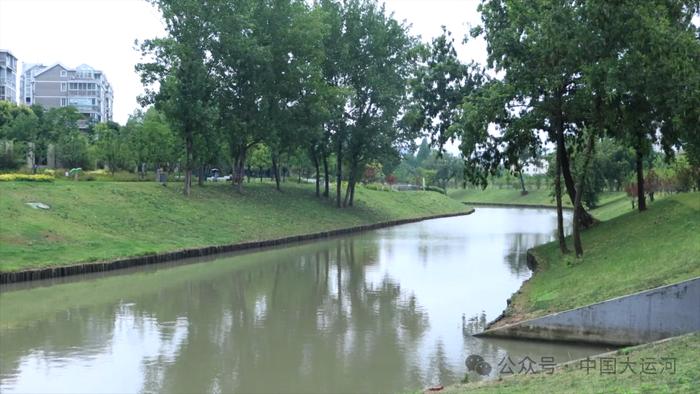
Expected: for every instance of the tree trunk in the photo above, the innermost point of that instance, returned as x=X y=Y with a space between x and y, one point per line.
x=260 y=173
x=641 y=200
x=523 y=191
x=326 y=181
x=585 y=217
x=351 y=179
x=560 y=213
x=347 y=192
x=578 y=246
x=188 y=166
x=188 y=182
x=318 y=175
x=352 y=193
x=339 y=177
x=202 y=173
x=240 y=171
x=275 y=171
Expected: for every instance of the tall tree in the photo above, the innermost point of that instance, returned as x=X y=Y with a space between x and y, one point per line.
x=438 y=87
x=537 y=46
x=377 y=58
x=179 y=68
x=112 y=145
x=653 y=78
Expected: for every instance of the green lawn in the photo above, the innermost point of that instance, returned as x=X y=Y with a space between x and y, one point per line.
x=91 y=221
x=625 y=253
x=504 y=196
x=633 y=252
x=575 y=379
x=610 y=205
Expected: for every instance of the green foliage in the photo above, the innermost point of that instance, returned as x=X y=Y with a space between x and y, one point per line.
x=149 y=140
x=373 y=172
x=438 y=87
x=72 y=150
x=112 y=147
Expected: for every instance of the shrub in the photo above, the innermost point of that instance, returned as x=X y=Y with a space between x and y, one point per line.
x=8 y=161
x=435 y=189
x=26 y=177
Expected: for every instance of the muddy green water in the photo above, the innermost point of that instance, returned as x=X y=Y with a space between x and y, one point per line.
x=384 y=311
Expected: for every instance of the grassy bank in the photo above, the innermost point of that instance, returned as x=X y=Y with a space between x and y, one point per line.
x=682 y=352
x=90 y=221
x=630 y=253
x=611 y=204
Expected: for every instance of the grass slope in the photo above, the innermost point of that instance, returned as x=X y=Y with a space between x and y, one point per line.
x=574 y=379
x=633 y=252
x=91 y=221
x=611 y=204
x=503 y=196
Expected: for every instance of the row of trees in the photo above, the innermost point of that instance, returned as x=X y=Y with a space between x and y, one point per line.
x=29 y=133
x=328 y=79
x=341 y=86
x=35 y=135
x=345 y=79
x=569 y=74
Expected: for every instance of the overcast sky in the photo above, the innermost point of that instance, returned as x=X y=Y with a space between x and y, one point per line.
x=101 y=33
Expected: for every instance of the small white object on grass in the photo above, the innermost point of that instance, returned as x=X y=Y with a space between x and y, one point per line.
x=38 y=205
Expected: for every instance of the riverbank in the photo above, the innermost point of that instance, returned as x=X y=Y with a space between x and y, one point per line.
x=630 y=253
x=610 y=205
x=104 y=221
x=670 y=365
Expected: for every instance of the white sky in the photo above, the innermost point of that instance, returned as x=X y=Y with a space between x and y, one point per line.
x=101 y=33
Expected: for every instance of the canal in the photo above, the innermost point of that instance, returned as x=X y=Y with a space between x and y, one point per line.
x=382 y=311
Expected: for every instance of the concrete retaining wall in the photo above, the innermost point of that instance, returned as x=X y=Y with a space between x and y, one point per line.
x=629 y=320
x=102 y=266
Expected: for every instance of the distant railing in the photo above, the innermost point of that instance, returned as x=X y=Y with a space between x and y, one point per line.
x=83 y=92
x=81 y=77
x=86 y=108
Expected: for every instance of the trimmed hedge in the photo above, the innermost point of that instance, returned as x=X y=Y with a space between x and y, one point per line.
x=26 y=177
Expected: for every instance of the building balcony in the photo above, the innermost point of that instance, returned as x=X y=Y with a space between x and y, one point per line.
x=74 y=77
x=87 y=109
x=84 y=93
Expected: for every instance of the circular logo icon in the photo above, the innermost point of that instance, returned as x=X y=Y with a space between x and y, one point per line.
x=483 y=368
x=477 y=364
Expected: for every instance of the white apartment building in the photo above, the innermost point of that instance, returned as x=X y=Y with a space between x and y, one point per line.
x=83 y=87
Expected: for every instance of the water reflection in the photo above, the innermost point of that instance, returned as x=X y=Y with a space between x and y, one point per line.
x=388 y=310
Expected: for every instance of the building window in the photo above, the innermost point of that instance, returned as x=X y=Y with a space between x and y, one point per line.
x=63 y=86
x=63 y=101
x=64 y=73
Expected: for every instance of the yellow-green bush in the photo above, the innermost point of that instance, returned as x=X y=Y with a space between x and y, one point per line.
x=26 y=177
